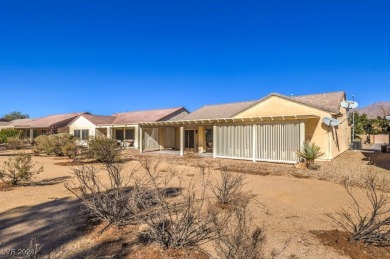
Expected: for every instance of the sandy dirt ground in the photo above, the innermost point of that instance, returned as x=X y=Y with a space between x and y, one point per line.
x=292 y=208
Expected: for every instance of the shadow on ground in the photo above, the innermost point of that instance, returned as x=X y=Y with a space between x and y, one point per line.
x=53 y=223
x=378 y=159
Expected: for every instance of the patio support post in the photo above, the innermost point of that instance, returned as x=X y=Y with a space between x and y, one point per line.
x=136 y=137
x=215 y=141
x=181 y=141
x=254 y=140
x=140 y=140
x=161 y=138
x=109 y=133
x=31 y=135
x=124 y=134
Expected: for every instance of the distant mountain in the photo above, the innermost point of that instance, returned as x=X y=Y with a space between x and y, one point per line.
x=377 y=109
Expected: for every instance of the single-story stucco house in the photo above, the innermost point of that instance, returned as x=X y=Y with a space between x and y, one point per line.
x=270 y=129
x=121 y=126
x=46 y=125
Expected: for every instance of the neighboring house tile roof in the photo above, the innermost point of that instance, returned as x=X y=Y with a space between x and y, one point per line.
x=4 y=123
x=98 y=119
x=146 y=116
x=48 y=121
x=19 y=122
x=218 y=111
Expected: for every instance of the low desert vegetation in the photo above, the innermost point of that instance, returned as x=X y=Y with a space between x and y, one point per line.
x=228 y=187
x=15 y=142
x=56 y=144
x=103 y=149
x=8 y=133
x=370 y=225
x=168 y=213
x=309 y=152
x=18 y=169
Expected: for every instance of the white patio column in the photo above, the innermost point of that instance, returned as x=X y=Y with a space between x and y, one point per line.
x=302 y=133
x=124 y=133
x=31 y=135
x=215 y=141
x=136 y=137
x=181 y=141
x=140 y=140
x=254 y=140
x=109 y=133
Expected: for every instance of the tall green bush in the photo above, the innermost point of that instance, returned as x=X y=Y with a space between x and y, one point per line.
x=8 y=133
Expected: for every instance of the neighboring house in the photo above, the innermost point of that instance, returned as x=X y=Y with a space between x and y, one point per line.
x=120 y=126
x=46 y=125
x=16 y=123
x=270 y=129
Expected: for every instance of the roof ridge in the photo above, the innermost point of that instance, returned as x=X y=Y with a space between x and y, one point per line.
x=316 y=94
x=208 y=105
x=177 y=108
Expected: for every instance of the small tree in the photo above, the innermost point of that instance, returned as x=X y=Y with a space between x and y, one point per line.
x=19 y=169
x=310 y=152
x=15 y=115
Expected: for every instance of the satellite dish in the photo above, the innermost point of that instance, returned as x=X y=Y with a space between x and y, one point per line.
x=349 y=104
x=330 y=121
x=388 y=118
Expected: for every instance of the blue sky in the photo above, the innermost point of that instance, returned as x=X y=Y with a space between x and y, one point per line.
x=112 y=56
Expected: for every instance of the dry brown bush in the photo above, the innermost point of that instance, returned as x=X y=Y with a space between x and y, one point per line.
x=181 y=218
x=371 y=224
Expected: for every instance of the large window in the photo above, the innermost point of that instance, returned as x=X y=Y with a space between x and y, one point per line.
x=81 y=134
x=77 y=133
x=85 y=134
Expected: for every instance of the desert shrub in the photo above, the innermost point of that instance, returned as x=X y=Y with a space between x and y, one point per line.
x=71 y=149
x=241 y=239
x=7 y=133
x=310 y=152
x=369 y=225
x=19 y=169
x=179 y=219
x=228 y=188
x=15 y=142
x=113 y=203
x=103 y=149
x=56 y=144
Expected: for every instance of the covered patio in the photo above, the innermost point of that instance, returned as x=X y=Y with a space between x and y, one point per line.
x=272 y=138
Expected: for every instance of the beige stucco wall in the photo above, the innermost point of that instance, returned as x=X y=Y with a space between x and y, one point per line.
x=315 y=131
x=82 y=123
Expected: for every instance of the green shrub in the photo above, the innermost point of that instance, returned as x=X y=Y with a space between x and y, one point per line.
x=7 y=133
x=18 y=169
x=56 y=144
x=103 y=149
x=310 y=152
x=15 y=142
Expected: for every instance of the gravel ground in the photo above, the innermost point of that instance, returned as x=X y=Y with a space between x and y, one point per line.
x=295 y=202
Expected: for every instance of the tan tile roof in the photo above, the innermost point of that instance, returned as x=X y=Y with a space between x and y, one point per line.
x=19 y=122
x=98 y=119
x=325 y=101
x=48 y=121
x=218 y=111
x=145 y=116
